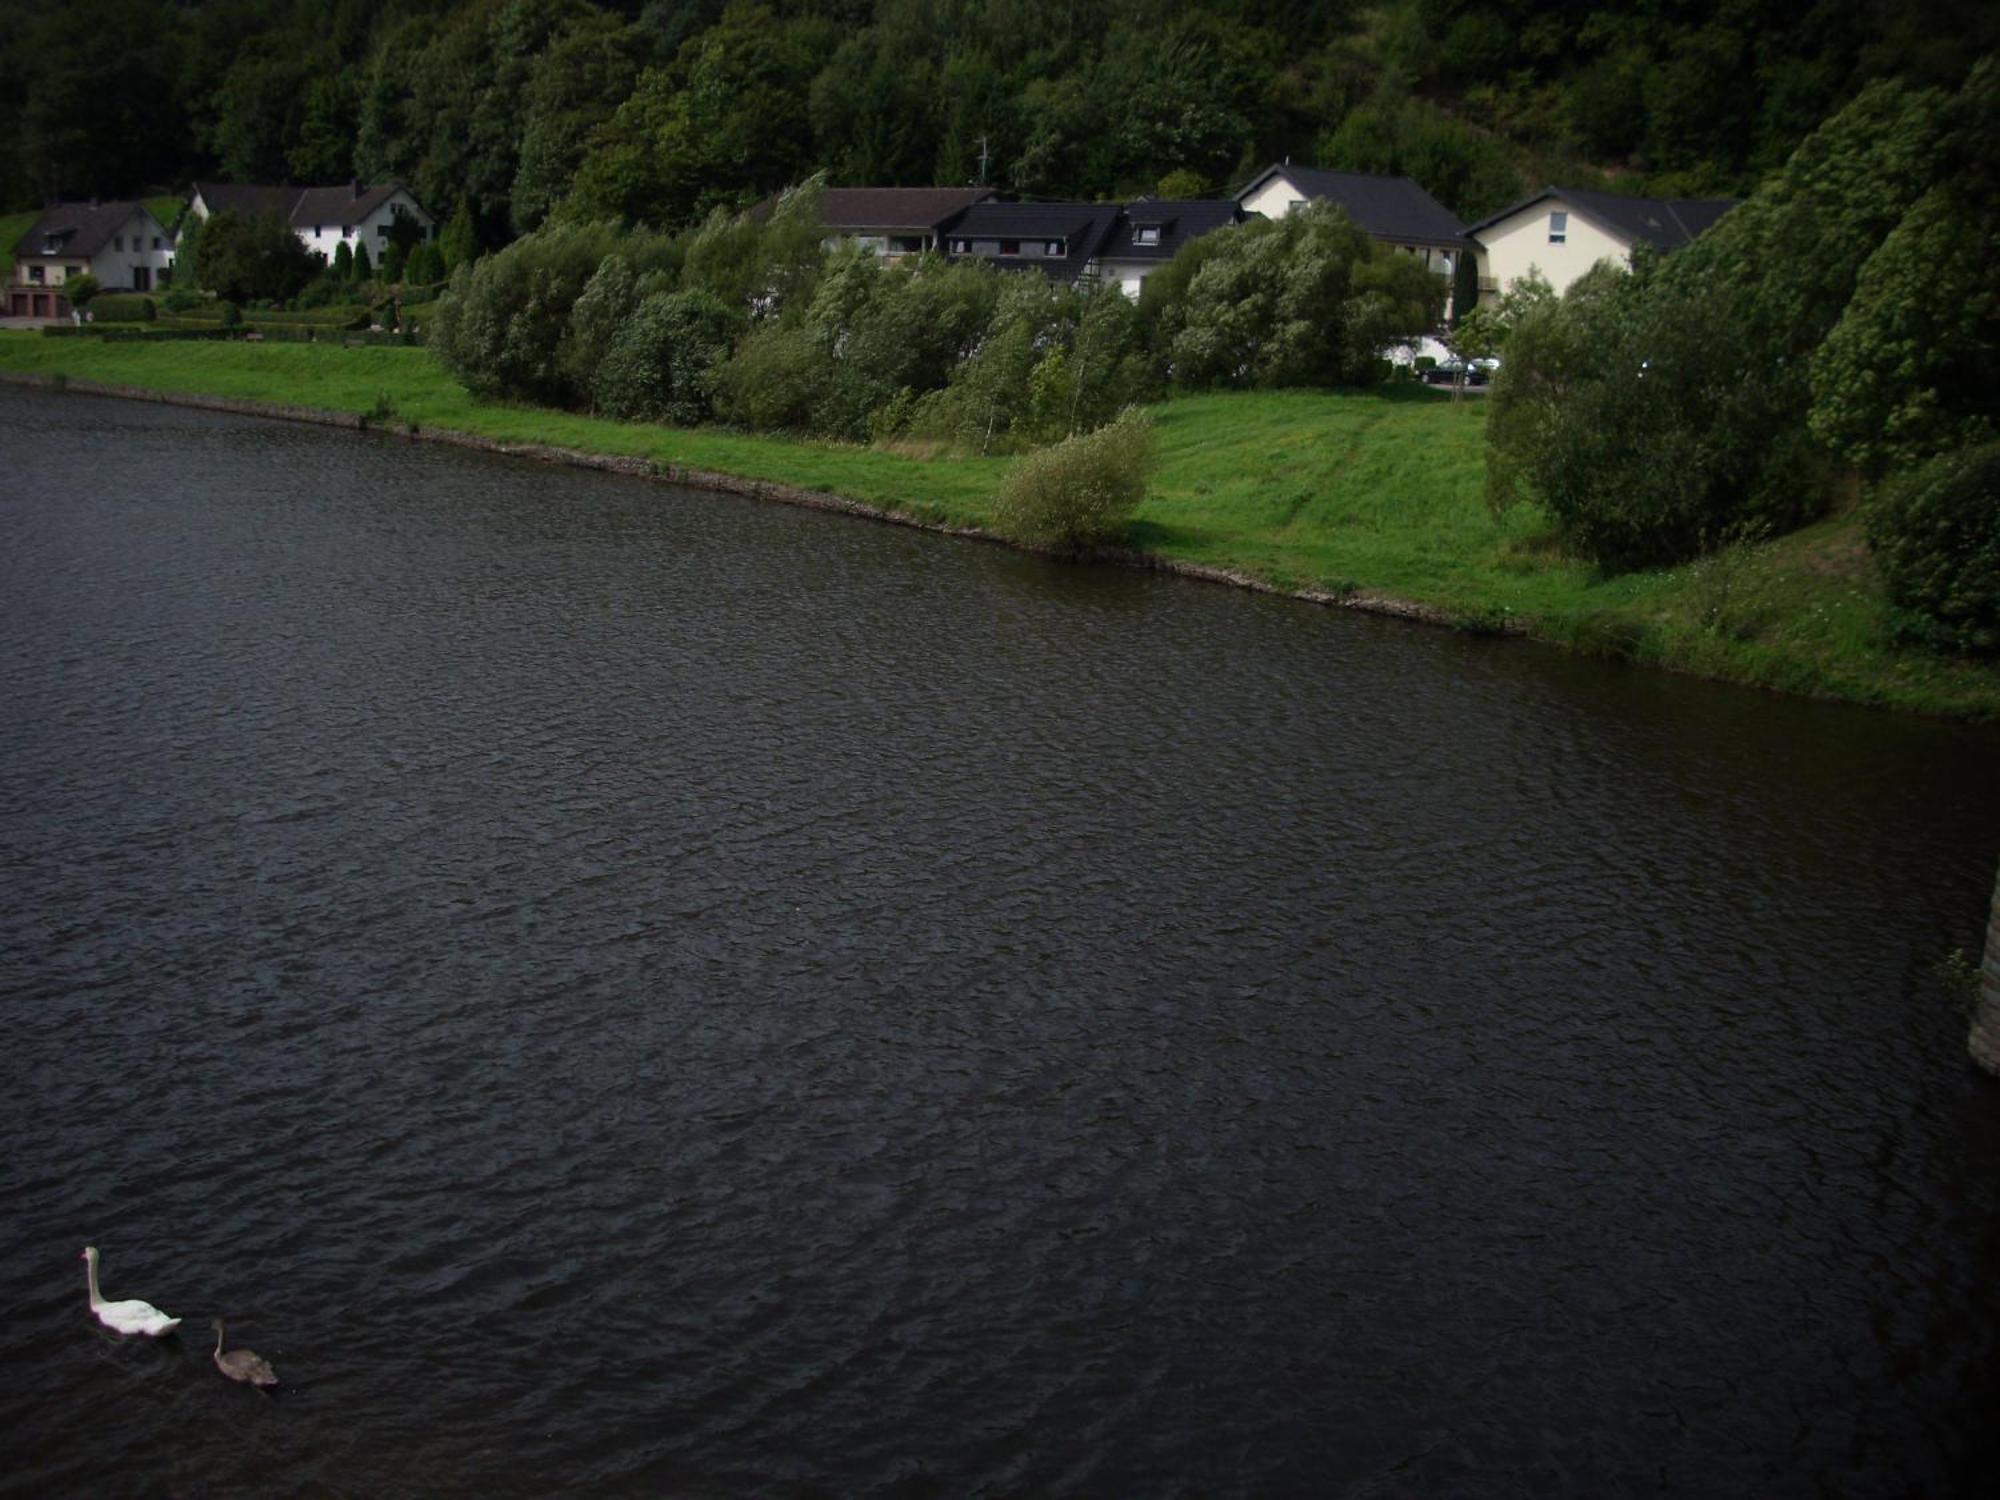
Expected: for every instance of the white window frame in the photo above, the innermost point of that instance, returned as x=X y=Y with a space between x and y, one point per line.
x=1558 y=226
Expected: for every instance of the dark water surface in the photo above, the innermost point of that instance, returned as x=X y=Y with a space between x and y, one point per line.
x=622 y=991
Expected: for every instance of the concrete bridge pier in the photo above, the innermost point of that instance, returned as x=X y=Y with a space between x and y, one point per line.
x=1984 y=1042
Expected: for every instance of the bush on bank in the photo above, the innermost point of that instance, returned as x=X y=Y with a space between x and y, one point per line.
x=1083 y=491
x=1935 y=531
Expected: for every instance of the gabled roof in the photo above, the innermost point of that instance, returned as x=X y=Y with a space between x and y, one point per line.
x=247 y=198
x=340 y=205
x=915 y=210
x=1083 y=227
x=1388 y=208
x=1664 y=223
x=1178 y=221
x=348 y=203
x=79 y=229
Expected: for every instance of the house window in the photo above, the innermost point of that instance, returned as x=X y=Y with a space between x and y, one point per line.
x=35 y=274
x=961 y=247
x=156 y=243
x=1010 y=247
x=1558 y=227
x=1055 y=248
x=1146 y=234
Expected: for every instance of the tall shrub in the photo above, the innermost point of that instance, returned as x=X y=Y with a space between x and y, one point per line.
x=1305 y=300
x=1935 y=531
x=660 y=367
x=1083 y=491
x=501 y=324
x=1662 y=415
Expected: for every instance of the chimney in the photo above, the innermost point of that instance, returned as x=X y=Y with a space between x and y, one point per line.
x=354 y=187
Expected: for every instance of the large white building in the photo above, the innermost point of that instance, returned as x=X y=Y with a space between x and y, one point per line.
x=1563 y=232
x=324 y=218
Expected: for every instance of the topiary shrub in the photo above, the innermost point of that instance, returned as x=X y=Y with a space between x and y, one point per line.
x=1083 y=491
x=1935 y=531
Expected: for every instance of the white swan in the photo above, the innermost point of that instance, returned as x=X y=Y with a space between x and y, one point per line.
x=241 y=1364
x=126 y=1317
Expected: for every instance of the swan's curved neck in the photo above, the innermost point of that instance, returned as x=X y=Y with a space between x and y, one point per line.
x=218 y=1339
x=90 y=1268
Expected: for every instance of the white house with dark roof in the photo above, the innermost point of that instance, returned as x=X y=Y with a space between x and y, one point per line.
x=324 y=218
x=1151 y=231
x=1563 y=232
x=892 y=221
x=121 y=244
x=1393 y=211
x=1061 y=240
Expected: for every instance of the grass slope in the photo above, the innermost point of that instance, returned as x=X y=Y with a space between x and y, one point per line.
x=1372 y=493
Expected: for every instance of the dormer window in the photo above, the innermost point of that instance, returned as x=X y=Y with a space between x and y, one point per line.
x=1558 y=227
x=961 y=247
x=1146 y=234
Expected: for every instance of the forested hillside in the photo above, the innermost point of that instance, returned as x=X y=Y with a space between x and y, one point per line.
x=659 y=111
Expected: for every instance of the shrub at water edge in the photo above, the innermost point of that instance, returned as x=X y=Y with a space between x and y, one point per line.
x=1082 y=492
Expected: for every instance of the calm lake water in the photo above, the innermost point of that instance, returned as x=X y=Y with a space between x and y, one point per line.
x=624 y=991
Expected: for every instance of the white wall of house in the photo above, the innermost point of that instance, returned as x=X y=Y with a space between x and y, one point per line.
x=1127 y=275
x=1275 y=198
x=141 y=243
x=372 y=231
x=36 y=270
x=1508 y=249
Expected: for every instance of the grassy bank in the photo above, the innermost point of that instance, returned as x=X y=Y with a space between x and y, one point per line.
x=1376 y=495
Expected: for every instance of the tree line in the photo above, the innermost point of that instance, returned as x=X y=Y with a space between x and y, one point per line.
x=1837 y=329
x=660 y=111
x=750 y=320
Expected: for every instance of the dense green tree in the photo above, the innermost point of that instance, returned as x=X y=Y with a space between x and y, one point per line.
x=573 y=87
x=1935 y=533
x=606 y=301
x=322 y=148
x=1907 y=372
x=501 y=325
x=251 y=257
x=1662 y=414
x=458 y=241
x=724 y=124
x=660 y=367
x=1306 y=300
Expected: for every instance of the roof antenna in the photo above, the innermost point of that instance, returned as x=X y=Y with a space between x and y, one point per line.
x=983 y=156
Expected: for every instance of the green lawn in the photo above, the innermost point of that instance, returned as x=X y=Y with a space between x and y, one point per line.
x=1375 y=494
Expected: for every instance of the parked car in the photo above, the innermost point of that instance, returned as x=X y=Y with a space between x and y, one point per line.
x=1445 y=372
